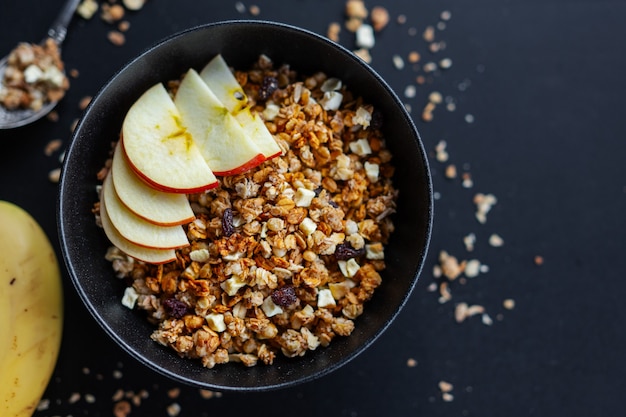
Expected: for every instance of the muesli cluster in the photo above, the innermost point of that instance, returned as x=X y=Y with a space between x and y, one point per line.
x=283 y=257
x=33 y=76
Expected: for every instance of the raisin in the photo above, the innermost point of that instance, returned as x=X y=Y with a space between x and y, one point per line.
x=175 y=308
x=377 y=119
x=345 y=251
x=228 y=228
x=284 y=296
x=269 y=85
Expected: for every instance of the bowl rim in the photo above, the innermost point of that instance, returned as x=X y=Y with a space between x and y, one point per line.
x=87 y=303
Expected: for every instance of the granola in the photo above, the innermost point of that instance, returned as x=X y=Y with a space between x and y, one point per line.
x=33 y=76
x=283 y=257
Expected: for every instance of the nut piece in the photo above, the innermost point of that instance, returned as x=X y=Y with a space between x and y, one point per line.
x=379 y=17
x=133 y=4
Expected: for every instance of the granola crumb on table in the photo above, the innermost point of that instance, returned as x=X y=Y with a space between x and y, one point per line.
x=283 y=257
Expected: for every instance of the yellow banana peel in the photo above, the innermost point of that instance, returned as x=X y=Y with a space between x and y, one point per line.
x=31 y=311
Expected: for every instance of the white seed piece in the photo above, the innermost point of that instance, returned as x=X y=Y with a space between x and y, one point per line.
x=398 y=62
x=134 y=4
x=435 y=97
x=445 y=63
x=365 y=36
x=496 y=241
x=410 y=91
x=472 y=268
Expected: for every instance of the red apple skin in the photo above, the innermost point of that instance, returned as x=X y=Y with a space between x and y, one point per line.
x=254 y=162
x=168 y=189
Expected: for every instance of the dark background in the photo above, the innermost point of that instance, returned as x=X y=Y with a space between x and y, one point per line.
x=544 y=81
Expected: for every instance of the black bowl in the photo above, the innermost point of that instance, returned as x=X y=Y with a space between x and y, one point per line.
x=240 y=42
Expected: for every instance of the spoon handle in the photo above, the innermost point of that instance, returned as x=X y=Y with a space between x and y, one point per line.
x=58 y=30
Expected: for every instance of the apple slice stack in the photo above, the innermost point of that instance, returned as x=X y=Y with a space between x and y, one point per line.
x=174 y=147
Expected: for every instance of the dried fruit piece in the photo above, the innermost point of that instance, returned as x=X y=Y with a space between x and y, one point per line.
x=270 y=84
x=228 y=228
x=345 y=251
x=284 y=296
x=175 y=308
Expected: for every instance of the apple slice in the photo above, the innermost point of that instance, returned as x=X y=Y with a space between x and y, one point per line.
x=255 y=127
x=158 y=207
x=160 y=149
x=150 y=255
x=223 y=83
x=218 y=76
x=226 y=147
x=137 y=230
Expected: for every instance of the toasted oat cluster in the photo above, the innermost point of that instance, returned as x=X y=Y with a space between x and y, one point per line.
x=33 y=76
x=282 y=258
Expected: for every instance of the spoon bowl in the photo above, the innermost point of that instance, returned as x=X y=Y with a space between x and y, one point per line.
x=10 y=119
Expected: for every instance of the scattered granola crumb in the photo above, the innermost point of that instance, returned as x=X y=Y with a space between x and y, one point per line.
x=254 y=10
x=496 y=241
x=430 y=67
x=538 y=260
x=411 y=363
x=469 y=242
x=74 y=398
x=414 y=57
x=484 y=203
x=173 y=393
x=134 y=4
x=117 y=374
x=112 y=13
x=410 y=91
x=118 y=395
x=509 y=304
x=450 y=172
x=90 y=398
x=445 y=63
x=380 y=18
x=447 y=397
x=240 y=7
x=463 y=311
x=74 y=73
x=469 y=118
x=356 y=9
x=53 y=116
x=472 y=268
x=401 y=19
x=398 y=62
x=52 y=146
x=440 y=151
x=173 y=409
x=445 y=15
x=445 y=386
x=334 y=29
x=467 y=180
x=43 y=405
x=487 y=320
x=208 y=394
x=54 y=175
x=121 y=409
x=123 y=26
x=429 y=34
x=450 y=265
x=87 y=8
x=444 y=293
x=116 y=38
x=364 y=54
x=84 y=102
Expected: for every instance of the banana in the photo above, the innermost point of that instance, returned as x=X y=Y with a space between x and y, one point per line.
x=31 y=311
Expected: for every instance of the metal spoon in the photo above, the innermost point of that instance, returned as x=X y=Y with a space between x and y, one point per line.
x=14 y=118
